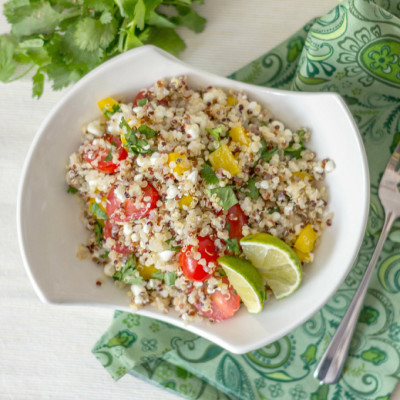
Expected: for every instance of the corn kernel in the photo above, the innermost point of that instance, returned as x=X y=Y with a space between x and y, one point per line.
x=231 y=101
x=107 y=104
x=181 y=161
x=185 y=201
x=146 y=271
x=223 y=158
x=306 y=240
x=239 y=135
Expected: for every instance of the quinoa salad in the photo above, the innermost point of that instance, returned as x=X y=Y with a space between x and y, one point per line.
x=174 y=179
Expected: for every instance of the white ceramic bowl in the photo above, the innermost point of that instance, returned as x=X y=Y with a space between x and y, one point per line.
x=49 y=225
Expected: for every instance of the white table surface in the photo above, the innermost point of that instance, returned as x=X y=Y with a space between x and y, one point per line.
x=45 y=350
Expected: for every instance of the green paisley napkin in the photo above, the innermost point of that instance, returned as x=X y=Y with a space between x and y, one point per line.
x=353 y=50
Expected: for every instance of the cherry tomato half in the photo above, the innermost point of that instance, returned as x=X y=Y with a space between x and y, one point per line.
x=111 y=231
x=191 y=267
x=223 y=306
x=143 y=94
x=96 y=156
x=236 y=219
x=127 y=210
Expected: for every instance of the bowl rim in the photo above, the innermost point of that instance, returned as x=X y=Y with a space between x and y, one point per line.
x=141 y=51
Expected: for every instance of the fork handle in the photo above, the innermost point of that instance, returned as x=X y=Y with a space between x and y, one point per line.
x=331 y=364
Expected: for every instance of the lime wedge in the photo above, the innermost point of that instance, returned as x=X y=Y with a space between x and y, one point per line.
x=277 y=262
x=246 y=280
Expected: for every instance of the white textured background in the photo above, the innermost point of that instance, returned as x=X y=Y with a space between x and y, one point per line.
x=45 y=350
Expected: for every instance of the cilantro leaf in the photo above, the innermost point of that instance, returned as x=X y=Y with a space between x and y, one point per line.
x=165 y=38
x=72 y=190
x=136 y=145
x=265 y=153
x=226 y=196
x=140 y=11
x=109 y=156
x=129 y=274
x=216 y=134
x=188 y=17
x=109 y=113
x=175 y=248
x=96 y=210
x=142 y=102
x=147 y=131
x=168 y=277
x=251 y=190
x=295 y=152
x=7 y=64
x=105 y=254
x=277 y=209
x=91 y=34
x=157 y=19
x=208 y=174
x=233 y=246
x=221 y=271
x=98 y=231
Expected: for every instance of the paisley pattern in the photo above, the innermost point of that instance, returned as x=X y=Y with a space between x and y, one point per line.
x=353 y=50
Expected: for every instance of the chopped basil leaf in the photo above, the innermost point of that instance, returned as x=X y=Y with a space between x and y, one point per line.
x=251 y=190
x=105 y=254
x=129 y=274
x=96 y=210
x=98 y=231
x=72 y=190
x=233 y=246
x=135 y=145
x=216 y=134
x=265 y=153
x=147 y=131
x=221 y=271
x=142 y=102
x=295 y=152
x=208 y=174
x=226 y=196
x=109 y=156
x=110 y=113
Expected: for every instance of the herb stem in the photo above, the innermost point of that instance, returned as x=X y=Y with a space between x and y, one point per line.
x=22 y=75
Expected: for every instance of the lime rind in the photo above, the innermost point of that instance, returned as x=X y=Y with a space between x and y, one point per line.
x=277 y=262
x=246 y=280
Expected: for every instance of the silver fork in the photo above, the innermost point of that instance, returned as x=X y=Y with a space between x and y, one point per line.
x=330 y=367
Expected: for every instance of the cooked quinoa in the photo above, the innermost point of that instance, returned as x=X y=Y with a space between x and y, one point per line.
x=157 y=174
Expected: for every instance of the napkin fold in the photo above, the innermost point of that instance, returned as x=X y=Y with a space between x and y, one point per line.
x=353 y=50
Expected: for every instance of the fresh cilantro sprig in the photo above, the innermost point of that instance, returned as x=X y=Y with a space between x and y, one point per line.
x=295 y=152
x=114 y=109
x=226 y=196
x=98 y=231
x=233 y=246
x=96 y=210
x=137 y=144
x=168 y=277
x=64 y=40
x=208 y=174
x=129 y=274
x=251 y=190
x=72 y=190
x=216 y=133
x=267 y=153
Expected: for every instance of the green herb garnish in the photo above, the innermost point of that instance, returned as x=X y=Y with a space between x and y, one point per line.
x=208 y=174
x=72 y=190
x=226 y=196
x=109 y=113
x=135 y=144
x=295 y=152
x=216 y=134
x=142 y=102
x=277 y=209
x=221 y=271
x=233 y=246
x=109 y=156
x=168 y=277
x=265 y=153
x=98 y=231
x=129 y=274
x=96 y=210
x=105 y=254
x=251 y=190
x=64 y=40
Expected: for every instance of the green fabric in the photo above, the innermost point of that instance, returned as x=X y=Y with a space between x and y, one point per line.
x=353 y=50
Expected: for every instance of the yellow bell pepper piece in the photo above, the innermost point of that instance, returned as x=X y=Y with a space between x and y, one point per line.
x=107 y=103
x=185 y=201
x=303 y=256
x=146 y=271
x=181 y=161
x=239 y=135
x=223 y=158
x=303 y=175
x=306 y=240
x=231 y=101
